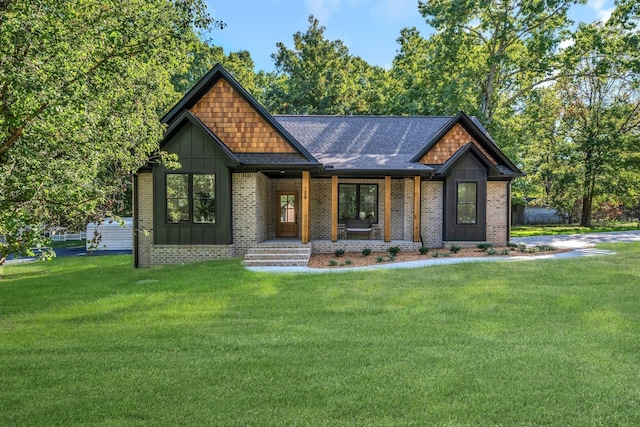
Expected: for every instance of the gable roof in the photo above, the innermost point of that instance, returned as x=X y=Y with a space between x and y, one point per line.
x=468 y=147
x=185 y=116
x=207 y=82
x=479 y=133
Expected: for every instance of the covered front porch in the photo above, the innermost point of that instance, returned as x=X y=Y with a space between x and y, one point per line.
x=311 y=210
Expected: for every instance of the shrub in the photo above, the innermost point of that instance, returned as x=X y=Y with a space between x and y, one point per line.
x=505 y=252
x=435 y=254
x=446 y=254
x=338 y=252
x=512 y=245
x=423 y=250
x=522 y=247
x=392 y=257
x=393 y=250
x=455 y=249
x=348 y=262
x=484 y=246
x=546 y=248
x=333 y=263
x=380 y=259
x=491 y=251
x=366 y=252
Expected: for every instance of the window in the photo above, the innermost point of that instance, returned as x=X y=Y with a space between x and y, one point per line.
x=358 y=201
x=191 y=198
x=467 y=203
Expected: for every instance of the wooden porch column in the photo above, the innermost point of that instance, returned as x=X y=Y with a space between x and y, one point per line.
x=416 y=208
x=334 y=208
x=387 y=208
x=306 y=194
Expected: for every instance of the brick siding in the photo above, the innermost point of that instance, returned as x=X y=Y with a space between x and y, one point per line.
x=497 y=212
x=144 y=233
x=264 y=211
x=327 y=246
x=244 y=202
x=178 y=254
x=432 y=213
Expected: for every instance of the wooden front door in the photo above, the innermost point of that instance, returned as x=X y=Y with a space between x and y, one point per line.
x=287 y=214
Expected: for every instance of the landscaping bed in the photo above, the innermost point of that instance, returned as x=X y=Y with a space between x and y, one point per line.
x=358 y=259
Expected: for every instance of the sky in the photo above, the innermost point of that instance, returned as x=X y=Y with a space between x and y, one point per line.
x=369 y=28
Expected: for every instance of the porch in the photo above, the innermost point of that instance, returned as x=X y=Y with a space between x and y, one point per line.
x=318 y=211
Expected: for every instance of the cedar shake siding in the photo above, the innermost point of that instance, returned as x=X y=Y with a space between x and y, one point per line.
x=237 y=123
x=449 y=144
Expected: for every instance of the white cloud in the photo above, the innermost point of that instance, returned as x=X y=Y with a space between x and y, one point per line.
x=600 y=7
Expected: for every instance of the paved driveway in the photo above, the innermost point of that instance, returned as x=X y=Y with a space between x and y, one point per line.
x=68 y=252
x=581 y=240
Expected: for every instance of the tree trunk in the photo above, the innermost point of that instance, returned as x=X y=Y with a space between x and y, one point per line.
x=587 y=202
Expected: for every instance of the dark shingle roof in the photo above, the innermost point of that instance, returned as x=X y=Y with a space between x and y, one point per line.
x=275 y=158
x=364 y=142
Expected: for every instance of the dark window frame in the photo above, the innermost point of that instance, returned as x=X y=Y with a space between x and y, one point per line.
x=191 y=199
x=357 y=200
x=467 y=203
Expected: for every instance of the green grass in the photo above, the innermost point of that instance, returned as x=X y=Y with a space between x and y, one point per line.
x=553 y=229
x=92 y=341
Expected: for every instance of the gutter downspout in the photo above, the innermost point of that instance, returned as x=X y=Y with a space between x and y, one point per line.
x=136 y=262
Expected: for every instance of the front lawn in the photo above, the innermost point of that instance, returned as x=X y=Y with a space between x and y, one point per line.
x=92 y=341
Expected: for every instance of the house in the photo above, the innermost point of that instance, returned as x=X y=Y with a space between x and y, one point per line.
x=249 y=178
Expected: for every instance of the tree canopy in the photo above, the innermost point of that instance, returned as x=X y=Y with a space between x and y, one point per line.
x=82 y=84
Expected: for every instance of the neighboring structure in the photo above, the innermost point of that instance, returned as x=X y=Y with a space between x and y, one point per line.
x=110 y=235
x=248 y=177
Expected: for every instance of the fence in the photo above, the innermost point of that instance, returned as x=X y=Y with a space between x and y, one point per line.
x=63 y=237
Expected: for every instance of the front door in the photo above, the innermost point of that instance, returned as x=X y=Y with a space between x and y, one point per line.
x=287 y=214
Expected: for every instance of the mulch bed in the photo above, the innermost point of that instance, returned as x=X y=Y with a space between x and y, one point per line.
x=356 y=259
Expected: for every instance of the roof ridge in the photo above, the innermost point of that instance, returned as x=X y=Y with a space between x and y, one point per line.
x=374 y=116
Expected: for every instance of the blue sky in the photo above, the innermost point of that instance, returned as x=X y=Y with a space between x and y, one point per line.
x=369 y=28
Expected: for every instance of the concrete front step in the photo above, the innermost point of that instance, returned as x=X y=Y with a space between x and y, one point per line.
x=290 y=255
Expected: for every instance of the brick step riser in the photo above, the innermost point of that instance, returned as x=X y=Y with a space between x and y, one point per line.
x=280 y=250
x=301 y=257
x=275 y=263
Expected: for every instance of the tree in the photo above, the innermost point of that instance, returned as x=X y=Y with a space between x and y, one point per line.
x=82 y=84
x=602 y=116
x=584 y=130
x=423 y=84
x=321 y=77
x=203 y=56
x=509 y=45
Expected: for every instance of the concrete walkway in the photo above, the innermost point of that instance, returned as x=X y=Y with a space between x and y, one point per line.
x=581 y=243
